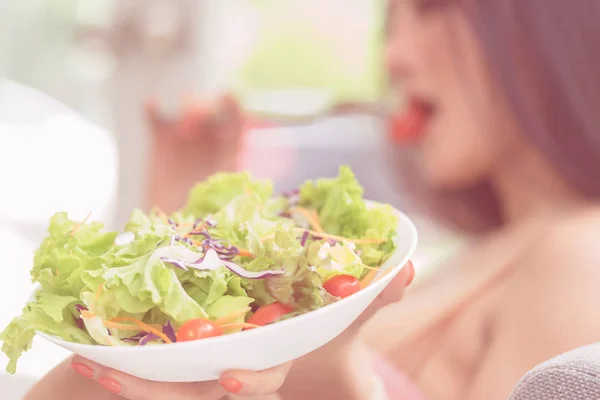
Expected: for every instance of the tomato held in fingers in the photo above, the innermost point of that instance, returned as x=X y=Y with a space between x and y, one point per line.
x=269 y=314
x=196 y=329
x=342 y=285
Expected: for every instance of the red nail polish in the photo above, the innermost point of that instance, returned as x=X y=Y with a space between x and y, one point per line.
x=110 y=384
x=231 y=385
x=411 y=276
x=83 y=370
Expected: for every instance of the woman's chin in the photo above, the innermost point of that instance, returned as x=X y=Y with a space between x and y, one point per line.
x=450 y=176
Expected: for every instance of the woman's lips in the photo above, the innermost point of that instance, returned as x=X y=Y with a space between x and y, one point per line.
x=409 y=126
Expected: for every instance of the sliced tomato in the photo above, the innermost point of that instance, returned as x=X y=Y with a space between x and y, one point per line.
x=268 y=314
x=342 y=285
x=196 y=329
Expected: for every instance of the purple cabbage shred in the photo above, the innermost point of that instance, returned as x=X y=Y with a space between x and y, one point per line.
x=81 y=307
x=304 y=238
x=169 y=331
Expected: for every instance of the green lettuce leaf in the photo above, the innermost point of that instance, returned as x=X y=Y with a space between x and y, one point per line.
x=68 y=250
x=243 y=223
x=343 y=211
x=212 y=283
x=299 y=287
x=142 y=224
x=48 y=313
x=216 y=192
x=340 y=258
x=226 y=305
x=140 y=286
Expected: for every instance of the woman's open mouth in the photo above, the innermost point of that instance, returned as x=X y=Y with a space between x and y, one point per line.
x=410 y=125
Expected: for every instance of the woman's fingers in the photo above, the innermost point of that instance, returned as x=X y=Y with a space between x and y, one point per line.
x=132 y=388
x=248 y=384
x=219 y=120
x=240 y=383
x=227 y=124
x=393 y=292
x=197 y=119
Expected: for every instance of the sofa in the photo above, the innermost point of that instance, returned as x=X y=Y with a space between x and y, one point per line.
x=571 y=376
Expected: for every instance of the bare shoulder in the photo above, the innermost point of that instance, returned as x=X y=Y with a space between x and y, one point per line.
x=557 y=283
x=569 y=246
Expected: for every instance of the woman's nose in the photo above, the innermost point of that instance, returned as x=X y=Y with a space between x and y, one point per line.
x=400 y=52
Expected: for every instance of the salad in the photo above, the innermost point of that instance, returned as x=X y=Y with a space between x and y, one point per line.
x=236 y=257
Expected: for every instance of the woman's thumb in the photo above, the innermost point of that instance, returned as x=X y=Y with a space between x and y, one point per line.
x=248 y=383
x=395 y=290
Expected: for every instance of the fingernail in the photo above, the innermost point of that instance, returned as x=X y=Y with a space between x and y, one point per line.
x=83 y=370
x=110 y=384
x=232 y=385
x=411 y=276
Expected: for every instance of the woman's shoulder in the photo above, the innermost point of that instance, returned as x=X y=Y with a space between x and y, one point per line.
x=561 y=266
x=567 y=245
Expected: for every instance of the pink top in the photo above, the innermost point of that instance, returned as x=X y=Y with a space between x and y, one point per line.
x=397 y=384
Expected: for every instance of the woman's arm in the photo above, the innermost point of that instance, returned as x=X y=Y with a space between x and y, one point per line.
x=64 y=383
x=206 y=139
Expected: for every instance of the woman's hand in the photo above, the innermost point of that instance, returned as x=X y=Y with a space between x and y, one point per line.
x=79 y=378
x=206 y=138
x=240 y=383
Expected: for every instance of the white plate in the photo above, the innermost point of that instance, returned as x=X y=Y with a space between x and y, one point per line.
x=255 y=350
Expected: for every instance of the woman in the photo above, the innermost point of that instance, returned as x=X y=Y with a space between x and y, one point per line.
x=506 y=119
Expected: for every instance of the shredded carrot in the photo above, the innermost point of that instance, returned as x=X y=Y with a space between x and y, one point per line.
x=315 y=215
x=241 y=251
x=163 y=215
x=78 y=225
x=371 y=268
x=232 y=316
x=126 y=327
x=312 y=219
x=385 y=273
x=200 y=227
x=123 y=327
x=143 y=326
x=366 y=281
x=245 y=253
x=97 y=298
x=115 y=325
x=137 y=325
x=340 y=238
x=197 y=243
x=240 y=325
x=262 y=239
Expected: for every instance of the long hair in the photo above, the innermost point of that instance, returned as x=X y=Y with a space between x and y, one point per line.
x=544 y=56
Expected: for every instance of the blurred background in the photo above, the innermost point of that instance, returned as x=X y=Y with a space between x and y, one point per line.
x=76 y=75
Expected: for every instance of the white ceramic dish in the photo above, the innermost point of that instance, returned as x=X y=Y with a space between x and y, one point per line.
x=256 y=349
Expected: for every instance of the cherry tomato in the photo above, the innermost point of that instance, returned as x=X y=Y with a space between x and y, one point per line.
x=198 y=329
x=269 y=314
x=408 y=127
x=342 y=285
